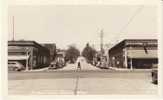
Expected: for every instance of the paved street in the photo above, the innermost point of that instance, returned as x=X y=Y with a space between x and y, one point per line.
x=84 y=66
x=84 y=82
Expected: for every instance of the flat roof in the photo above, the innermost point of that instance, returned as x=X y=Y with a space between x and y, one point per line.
x=122 y=43
x=26 y=43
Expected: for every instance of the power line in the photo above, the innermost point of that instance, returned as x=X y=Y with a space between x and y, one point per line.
x=130 y=20
x=13 y=38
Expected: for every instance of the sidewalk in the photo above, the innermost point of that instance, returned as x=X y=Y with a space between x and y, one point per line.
x=114 y=68
x=125 y=69
x=37 y=70
x=68 y=67
x=87 y=66
x=84 y=66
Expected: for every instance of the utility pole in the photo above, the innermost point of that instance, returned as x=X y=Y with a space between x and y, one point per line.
x=101 y=41
x=13 y=29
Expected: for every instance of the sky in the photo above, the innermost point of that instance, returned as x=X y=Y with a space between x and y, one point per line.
x=81 y=24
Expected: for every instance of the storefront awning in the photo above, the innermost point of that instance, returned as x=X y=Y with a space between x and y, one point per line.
x=23 y=57
x=142 y=54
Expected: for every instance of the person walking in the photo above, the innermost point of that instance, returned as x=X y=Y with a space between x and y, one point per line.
x=79 y=66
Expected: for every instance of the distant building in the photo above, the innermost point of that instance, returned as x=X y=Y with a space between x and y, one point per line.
x=29 y=53
x=60 y=57
x=61 y=53
x=104 y=56
x=134 y=53
x=52 y=49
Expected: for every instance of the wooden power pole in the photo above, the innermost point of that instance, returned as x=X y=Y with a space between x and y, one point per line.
x=101 y=41
x=13 y=37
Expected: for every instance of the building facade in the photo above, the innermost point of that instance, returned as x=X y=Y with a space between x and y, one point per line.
x=134 y=53
x=29 y=53
x=52 y=49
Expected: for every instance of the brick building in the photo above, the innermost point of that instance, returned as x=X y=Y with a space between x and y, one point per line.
x=52 y=49
x=134 y=53
x=29 y=53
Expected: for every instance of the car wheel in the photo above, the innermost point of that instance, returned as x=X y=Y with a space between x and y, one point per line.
x=15 y=69
x=19 y=70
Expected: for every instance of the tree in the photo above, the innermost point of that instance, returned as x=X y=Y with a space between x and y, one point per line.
x=72 y=54
x=89 y=53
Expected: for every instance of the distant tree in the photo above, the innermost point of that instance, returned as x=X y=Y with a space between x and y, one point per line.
x=72 y=54
x=89 y=53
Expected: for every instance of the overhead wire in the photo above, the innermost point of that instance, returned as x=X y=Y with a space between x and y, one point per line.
x=129 y=21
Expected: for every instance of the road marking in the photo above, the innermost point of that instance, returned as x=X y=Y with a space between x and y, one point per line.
x=76 y=84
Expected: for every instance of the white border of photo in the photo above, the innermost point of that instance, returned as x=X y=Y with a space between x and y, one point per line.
x=3 y=47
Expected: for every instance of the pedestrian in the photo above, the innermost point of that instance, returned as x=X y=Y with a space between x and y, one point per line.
x=79 y=66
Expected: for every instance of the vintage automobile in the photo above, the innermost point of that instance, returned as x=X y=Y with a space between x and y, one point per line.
x=103 y=63
x=15 y=66
x=57 y=63
x=53 y=65
x=154 y=73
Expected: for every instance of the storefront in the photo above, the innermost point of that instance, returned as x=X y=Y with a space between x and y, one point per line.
x=28 y=53
x=134 y=54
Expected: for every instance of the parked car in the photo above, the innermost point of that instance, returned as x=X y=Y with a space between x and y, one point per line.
x=53 y=65
x=15 y=66
x=57 y=63
x=154 y=73
x=60 y=62
x=103 y=63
